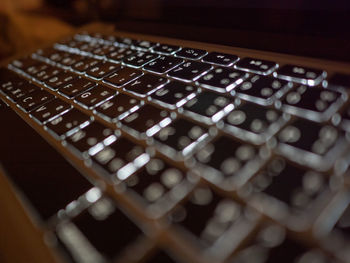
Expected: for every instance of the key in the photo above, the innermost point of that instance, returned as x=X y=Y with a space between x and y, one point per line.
x=313 y=103
x=102 y=69
x=47 y=73
x=163 y=64
x=180 y=138
x=262 y=90
x=104 y=50
x=52 y=54
x=89 y=47
x=76 y=86
x=145 y=85
x=36 y=68
x=220 y=59
x=120 y=54
x=94 y=96
x=24 y=63
x=208 y=107
x=106 y=229
x=121 y=158
x=145 y=121
x=174 y=94
x=91 y=137
x=71 y=60
x=66 y=123
x=9 y=79
x=85 y=64
x=222 y=79
x=37 y=170
x=34 y=99
x=144 y=44
x=123 y=76
x=303 y=75
x=118 y=107
x=225 y=162
x=59 y=80
x=165 y=49
x=259 y=66
x=189 y=71
x=50 y=110
x=139 y=59
x=191 y=53
x=254 y=123
x=18 y=88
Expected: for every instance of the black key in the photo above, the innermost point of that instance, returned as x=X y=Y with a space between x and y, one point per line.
x=262 y=90
x=300 y=74
x=47 y=73
x=163 y=64
x=24 y=63
x=220 y=58
x=147 y=120
x=102 y=69
x=254 y=65
x=50 y=110
x=254 y=123
x=37 y=170
x=71 y=60
x=76 y=86
x=209 y=106
x=104 y=227
x=144 y=44
x=222 y=79
x=89 y=47
x=122 y=158
x=18 y=89
x=104 y=50
x=91 y=136
x=34 y=99
x=313 y=103
x=180 y=138
x=10 y=80
x=145 y=85
x=174 y=94
x=189 y=71
x=118 y=107
x=68 y=122
x=165 y=49
x=191 y=53
x=94 y=96
x=36 y=68
x=120 y=54
x=123 y=76
x=85 y=64
x=139 y=59
x=126 y=41
x=59 y=80
x=52 y=54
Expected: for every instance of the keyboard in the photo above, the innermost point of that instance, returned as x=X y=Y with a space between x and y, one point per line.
x=152 y=152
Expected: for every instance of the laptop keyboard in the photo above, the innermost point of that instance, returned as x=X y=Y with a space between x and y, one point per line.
x=207 y=156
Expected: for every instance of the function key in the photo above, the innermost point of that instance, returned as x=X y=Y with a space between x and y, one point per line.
x=94 y=96
x=174 y=94
x=209 y=107
x=261 y=89
x=145 y=121
x=123 y=76
x=121 y=158
x=118 y=107
x=258 y=66
x=163 y=64
x=220 y=59
x=180 y=138
x=314 y=103
x=60 y=79
x=50 y=110
x=106 y=233
x=303 y=75
x=102 y=69
x=165 y=49
x=139 y=59
x=191 y=53
x=120 y=54
x=228 y=163
x=145 y=85
x=222 y=79
x=34 y=99
x=189 y=71
x=76 y=86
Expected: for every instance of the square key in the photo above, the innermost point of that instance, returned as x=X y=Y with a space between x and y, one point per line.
x=145 y=121
x=190 y=70
x=180 y=138
x=145 y=85
x=208 y=107
x=95 y=96
x=122 y=77
x=173 y=94
x=314 y=103
x=76 y=86
x=310 y=143
x=102 y=69
x=254 y=65
x=213 y=220
x=59 y=80
x=139 y=59
x=261 y=89
x=158 y=186
x=228 y=163
x=35 y=99
x=50 y=110
x=163 y=64
x=254 y=123
x=121 y=158
x=101 y=233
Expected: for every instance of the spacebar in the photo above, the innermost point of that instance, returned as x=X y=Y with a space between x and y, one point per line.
x=39 y=172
